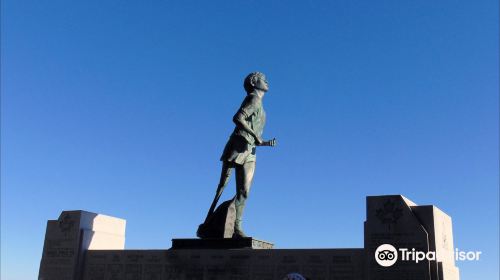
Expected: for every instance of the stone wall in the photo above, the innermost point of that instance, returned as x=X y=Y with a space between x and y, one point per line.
x=318 y=264
x=86 y=246
x=68 y=238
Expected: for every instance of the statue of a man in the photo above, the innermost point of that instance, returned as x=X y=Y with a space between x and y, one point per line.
x=239 y=152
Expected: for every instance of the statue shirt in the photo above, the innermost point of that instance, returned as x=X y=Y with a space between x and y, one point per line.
x=254 y=115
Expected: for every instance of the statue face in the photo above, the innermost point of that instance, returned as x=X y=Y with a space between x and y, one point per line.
x=262 y=84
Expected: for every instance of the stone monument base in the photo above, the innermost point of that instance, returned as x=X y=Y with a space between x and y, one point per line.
x=237 y=264
x=87 y=246
x=221 y=243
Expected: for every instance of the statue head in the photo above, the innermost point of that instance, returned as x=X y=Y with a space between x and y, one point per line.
x=255 y=80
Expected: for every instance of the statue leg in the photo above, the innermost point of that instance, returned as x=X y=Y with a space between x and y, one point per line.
x=244 y=178
x=224 y=179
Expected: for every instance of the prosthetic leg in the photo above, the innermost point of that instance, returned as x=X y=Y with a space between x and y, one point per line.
x=224 y=179
x=206 y=229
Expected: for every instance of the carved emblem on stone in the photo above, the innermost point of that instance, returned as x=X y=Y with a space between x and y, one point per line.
x=66 y=223
x=389 y=213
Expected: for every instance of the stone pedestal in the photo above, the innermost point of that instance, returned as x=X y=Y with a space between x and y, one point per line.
x=396 y=220
x=72 y=243
x=235 y=264
x=69 y=237
x=221 y=243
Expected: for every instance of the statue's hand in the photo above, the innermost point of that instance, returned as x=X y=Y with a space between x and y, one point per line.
x=271 y=143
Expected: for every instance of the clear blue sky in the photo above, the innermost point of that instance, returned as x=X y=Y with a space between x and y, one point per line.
x=123 y=108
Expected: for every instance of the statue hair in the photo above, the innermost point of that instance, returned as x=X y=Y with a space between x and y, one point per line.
x=252 y=77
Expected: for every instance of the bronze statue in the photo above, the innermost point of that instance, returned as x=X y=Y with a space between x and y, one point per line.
x=239 y=152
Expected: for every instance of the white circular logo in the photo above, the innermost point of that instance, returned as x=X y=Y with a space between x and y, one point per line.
x=386 y=255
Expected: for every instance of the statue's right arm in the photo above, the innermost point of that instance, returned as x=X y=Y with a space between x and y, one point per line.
x=239 y=121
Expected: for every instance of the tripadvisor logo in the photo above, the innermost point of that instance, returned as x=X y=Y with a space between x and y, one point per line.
x=387 y=255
